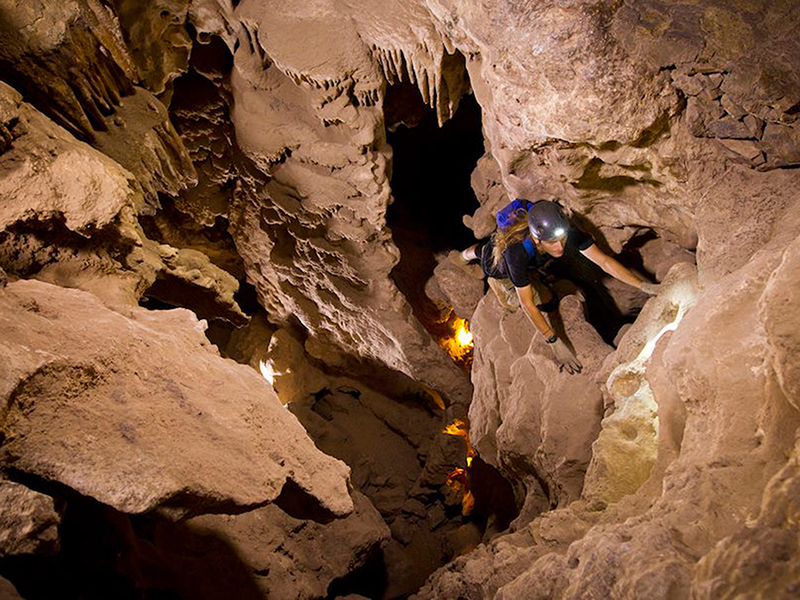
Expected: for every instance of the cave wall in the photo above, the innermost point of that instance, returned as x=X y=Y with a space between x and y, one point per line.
x=181 y=150
x=686 y=485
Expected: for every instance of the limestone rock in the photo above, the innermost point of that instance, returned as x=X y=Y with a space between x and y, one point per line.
x=188 y=278
x=491 y=567
x=28 y=521
x=158 y=39
x=46 y=173
x=200 y=109
x=72 y=63
x=518 y=416
x=285 y=364
x=59 y=193
x=8 y=591
x=782 y=145
x=744 y=210
x=286 y=558
x=457 y=284
x=400 y=460
x=486 y=181
x=780 y=322
x=314 y=241
x=249 y=344
x=524 y=94
x=762 y=558
x=141 y=137
x=146 y=412
x=70 y=219
x=625 y=451
x=723 y=434
x=41 y=42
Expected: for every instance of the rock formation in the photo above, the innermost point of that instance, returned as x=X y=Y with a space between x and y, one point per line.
x=228 y=160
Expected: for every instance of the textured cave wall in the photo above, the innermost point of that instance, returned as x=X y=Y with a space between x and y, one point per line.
x=178 y=150
x=685 y=490
x=311 y=116
x=302 y=175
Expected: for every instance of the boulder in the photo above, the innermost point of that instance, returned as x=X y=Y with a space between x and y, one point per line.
x=139 y=411
x=534 y=423
x=283 y=557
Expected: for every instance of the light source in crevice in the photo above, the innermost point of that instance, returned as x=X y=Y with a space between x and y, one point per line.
x=458 y=479
x=459 y=343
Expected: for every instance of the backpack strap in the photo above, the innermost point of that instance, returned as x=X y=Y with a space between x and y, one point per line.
x=530 y=247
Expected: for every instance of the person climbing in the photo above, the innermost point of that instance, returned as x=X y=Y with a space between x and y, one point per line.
x=530 y=235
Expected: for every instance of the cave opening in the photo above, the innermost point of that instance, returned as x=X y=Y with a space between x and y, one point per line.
x=431 y=173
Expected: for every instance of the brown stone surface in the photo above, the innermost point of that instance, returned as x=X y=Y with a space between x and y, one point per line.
x=70 y=218
x=68 y=57
x=678 y=119
x=456 y=284
x=526 y=417
x=47 y=173
x=8 y=591
x=158 y=40
x=141 y=138
x=286 y=558
x=718 y=424
x=139 y=410
x=28 y=521
x=400 y=459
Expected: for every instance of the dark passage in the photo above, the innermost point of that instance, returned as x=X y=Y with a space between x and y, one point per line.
x=431 y=186
x=431 y=175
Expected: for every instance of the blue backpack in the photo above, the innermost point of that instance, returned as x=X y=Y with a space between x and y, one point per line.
x=511 y=214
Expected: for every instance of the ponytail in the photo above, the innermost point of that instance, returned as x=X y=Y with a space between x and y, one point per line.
x=503 y=238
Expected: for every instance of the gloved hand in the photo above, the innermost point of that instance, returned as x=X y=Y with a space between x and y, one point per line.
x=650 y=288
x=565 y=358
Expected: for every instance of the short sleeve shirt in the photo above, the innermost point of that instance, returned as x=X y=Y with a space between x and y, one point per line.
x=516 y=262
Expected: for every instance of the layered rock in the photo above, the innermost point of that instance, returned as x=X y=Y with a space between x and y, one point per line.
x=170 y=424
x=697 y=419
x=717 y=434
x=70 y=219
x=674 y=122
x=69 y=58
x=323 y=229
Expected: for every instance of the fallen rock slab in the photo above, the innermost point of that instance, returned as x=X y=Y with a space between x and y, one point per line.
x=138 y=410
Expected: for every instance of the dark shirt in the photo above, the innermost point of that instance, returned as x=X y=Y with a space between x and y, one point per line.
x=516 y=263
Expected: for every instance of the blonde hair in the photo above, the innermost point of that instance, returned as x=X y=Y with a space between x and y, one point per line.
x=505 y=238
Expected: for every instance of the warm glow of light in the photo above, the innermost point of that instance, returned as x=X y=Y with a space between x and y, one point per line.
x=467 y=503
x=460 y=345
x=680 y=300
x=457 y=428
x=436 y=397
x=460 y=429
x=267 y=371
x=464 y=336
x=457 y=479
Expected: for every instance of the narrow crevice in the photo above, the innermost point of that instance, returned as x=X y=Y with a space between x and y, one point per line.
x=431 y=187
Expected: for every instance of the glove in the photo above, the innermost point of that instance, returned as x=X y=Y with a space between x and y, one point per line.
x=650 y=288
x=565 y=358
